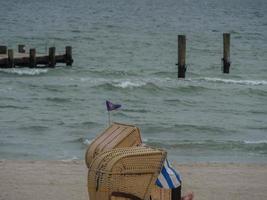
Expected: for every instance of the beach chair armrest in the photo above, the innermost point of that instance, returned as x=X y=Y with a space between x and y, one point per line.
x=125 y=195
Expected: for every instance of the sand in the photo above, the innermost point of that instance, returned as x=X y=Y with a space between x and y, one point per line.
x=66 y=180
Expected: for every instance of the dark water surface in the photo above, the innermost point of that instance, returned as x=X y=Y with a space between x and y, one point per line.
x=125 y=51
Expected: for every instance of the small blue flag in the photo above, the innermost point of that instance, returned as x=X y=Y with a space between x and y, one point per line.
x=111 y=106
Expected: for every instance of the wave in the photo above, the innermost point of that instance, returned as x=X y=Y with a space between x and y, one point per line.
x=176 y=101
x=83 y=124
x=153 y=84
x=135 y=110
x=259 y=147
x=35 y=128
x=88 y=124
x=129 y=84
x=255 y=142
x=261 y=92
x=145 y=140
x=86 y=141
x=184 y=128
x=13 y=107
x=83 y=141
x=163 y=73
x=73 y=158
x=18 y=155
x=25 y=71
x=232 y=81
x=112 y=73
x=193 y=88
x=58 y=99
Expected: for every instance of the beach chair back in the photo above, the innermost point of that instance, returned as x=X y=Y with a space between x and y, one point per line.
x=117 y=135
x=124 y=173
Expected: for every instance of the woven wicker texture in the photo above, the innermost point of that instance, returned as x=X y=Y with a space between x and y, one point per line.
x=132 y=170
x=115 y=136
x=158 y=193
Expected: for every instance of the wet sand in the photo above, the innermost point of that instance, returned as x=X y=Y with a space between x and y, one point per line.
x=66 y=180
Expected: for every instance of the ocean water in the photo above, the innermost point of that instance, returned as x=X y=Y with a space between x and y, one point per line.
x=125 y=51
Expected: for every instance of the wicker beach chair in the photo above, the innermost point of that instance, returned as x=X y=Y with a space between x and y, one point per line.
x=117 y=135
x=124 y=173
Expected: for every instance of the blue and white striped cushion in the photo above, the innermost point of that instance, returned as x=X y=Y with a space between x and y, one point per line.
x=168 y=178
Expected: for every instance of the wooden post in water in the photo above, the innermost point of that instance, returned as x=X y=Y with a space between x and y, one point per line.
x=181 y=56
x=52 y=57
x=21 y=48
x=68 y=55
x=10 y=59
x=32 y=59
x=3 y=49
x=226 y=53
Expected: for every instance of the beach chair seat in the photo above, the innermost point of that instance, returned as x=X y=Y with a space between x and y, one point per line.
x=117 y=135
x=124 y=173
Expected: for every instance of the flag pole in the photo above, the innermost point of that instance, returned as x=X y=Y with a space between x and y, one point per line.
x=109 y=118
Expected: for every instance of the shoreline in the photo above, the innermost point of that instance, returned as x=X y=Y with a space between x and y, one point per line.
x=58 y=180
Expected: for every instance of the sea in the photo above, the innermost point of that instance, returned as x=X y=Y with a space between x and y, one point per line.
x=125 y=51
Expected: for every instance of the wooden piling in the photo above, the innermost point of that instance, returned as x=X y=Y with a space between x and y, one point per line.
x=226 y=53
x=52 y=57
x=181 y=56
x=21 y=48
x=10 y=58
x=68 y=55
x=32 y=58
x=3 y=49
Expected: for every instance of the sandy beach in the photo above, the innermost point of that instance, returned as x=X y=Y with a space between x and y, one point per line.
x=63 y=180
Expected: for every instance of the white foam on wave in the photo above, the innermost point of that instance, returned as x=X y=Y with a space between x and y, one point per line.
x=73 y=158
x=255 y=142
x=241 y=82
x=93 y=80
x=87 y=142
x=25 y=71
x=129 y=84
x=145 y=139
